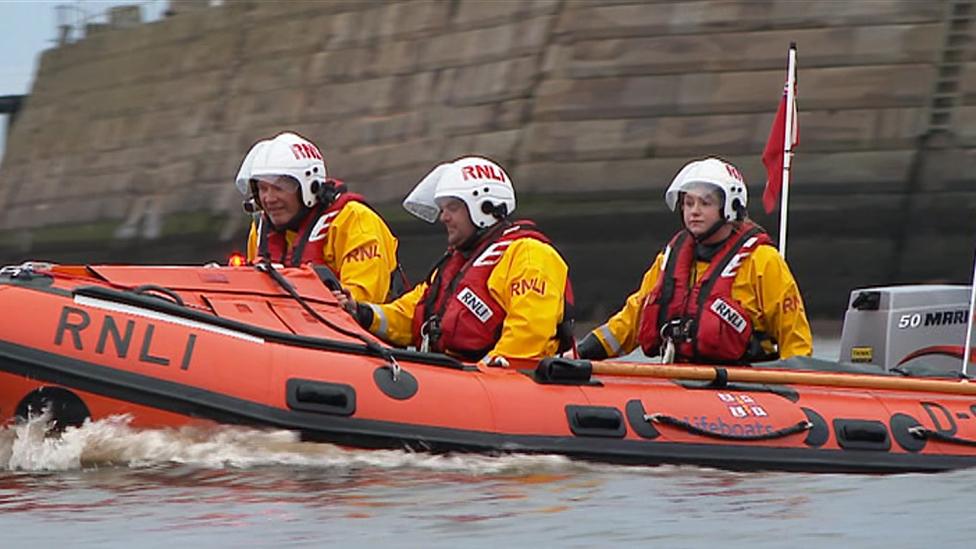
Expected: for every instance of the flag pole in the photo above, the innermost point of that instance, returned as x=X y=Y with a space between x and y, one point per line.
x=787 y=147
x=969 y=325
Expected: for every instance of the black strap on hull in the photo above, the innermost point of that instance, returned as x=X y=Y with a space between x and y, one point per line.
x=929 y=434
x=693 y=429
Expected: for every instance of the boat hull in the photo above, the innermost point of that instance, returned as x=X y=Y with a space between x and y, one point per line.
x=237 y=350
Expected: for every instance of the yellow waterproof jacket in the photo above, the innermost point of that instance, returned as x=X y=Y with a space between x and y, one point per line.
x=531 y=318
x=763 y=285
x=359 y=247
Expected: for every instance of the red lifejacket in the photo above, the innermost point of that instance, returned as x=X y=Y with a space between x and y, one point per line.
x=309 y=246
x=457 y=312
x=704 y=321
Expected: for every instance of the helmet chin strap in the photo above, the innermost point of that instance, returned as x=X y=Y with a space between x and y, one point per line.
x=479 y=233
x=292 y=224
x=710 y=232
x=499 y=212
x=472 y=240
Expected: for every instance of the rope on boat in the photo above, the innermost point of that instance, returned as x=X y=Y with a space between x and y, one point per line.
x=152 y=289
x=928 y=434
x=375 y=348
x=694 y=429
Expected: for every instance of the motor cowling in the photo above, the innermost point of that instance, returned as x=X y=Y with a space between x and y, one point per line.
x=907 y=327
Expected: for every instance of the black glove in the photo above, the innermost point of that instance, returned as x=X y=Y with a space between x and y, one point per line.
x=364 y=315
x=591 y=348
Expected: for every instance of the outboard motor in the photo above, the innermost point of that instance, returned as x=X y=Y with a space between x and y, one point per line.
x=915 y=329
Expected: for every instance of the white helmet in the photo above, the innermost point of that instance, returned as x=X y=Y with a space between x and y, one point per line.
x=715 y=173
x=481 y=184
x=243 y=181
x=290 y=155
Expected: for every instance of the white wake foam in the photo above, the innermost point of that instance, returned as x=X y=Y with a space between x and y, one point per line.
x=114 y=442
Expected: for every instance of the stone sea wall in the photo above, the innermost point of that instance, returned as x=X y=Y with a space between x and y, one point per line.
x=127 y=145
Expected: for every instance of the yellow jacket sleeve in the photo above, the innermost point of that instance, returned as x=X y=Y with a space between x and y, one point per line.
x=362 y=250
x=766 y=288
x=763 y=285
x=619 y=334
x=393 y=322
x=529 y=283
x=252 y=242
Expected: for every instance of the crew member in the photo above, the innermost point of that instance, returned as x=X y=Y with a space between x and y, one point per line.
x=303 y=216
x=501 y=291
x=719 y=292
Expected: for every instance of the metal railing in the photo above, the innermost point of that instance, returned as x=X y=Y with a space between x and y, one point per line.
x=77 y=20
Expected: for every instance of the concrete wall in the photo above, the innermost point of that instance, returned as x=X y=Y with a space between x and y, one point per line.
x=131 y=137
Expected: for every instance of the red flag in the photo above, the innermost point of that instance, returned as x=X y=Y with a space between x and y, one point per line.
x=773 y=154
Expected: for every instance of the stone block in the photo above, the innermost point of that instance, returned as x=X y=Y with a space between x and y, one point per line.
x=498 y=145
x=409 y=19
x=162 y=123
x=968 y=81
x=409 y=91
x=820 y=170
x=604 y=20
x=731 y=92
x=448 y=120
x=152 y=64
x=368 y=163
x=260 y=110
x=834 y=46
x=331 y=66
x=964 y=125
x=378 y=129
x=216 y=50
x=479 y=13
x=601 y=175
x=477 y=45
x=924 y=257
x=279 y=36
x=351 y=99
x=16 y=217
x=588 y=139
x=237 y=110
x=382 y=59
x=368 y=23
x=617 y=97
x=265 y=75
x=876 y=12
x=399 y=57
x=371 y=96
x=190 y=7
x=343 y=30
x=858 y=129
x=194 y=88
x=860 y=167
x=867 y=87
x=493 y=82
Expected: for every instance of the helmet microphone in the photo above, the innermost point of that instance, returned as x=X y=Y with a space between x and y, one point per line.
x=499 y=211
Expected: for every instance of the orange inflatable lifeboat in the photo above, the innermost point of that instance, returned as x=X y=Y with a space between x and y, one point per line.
x=240 y=345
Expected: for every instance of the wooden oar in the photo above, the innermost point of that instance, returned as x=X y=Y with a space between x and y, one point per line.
x=750 y=375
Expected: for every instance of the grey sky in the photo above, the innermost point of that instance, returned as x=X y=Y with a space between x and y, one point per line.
x=28 y=27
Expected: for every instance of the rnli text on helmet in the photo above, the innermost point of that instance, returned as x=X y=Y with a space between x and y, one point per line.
x=482 y=172
x=305 y=151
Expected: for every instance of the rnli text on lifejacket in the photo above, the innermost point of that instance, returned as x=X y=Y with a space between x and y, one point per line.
x=74 y=321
